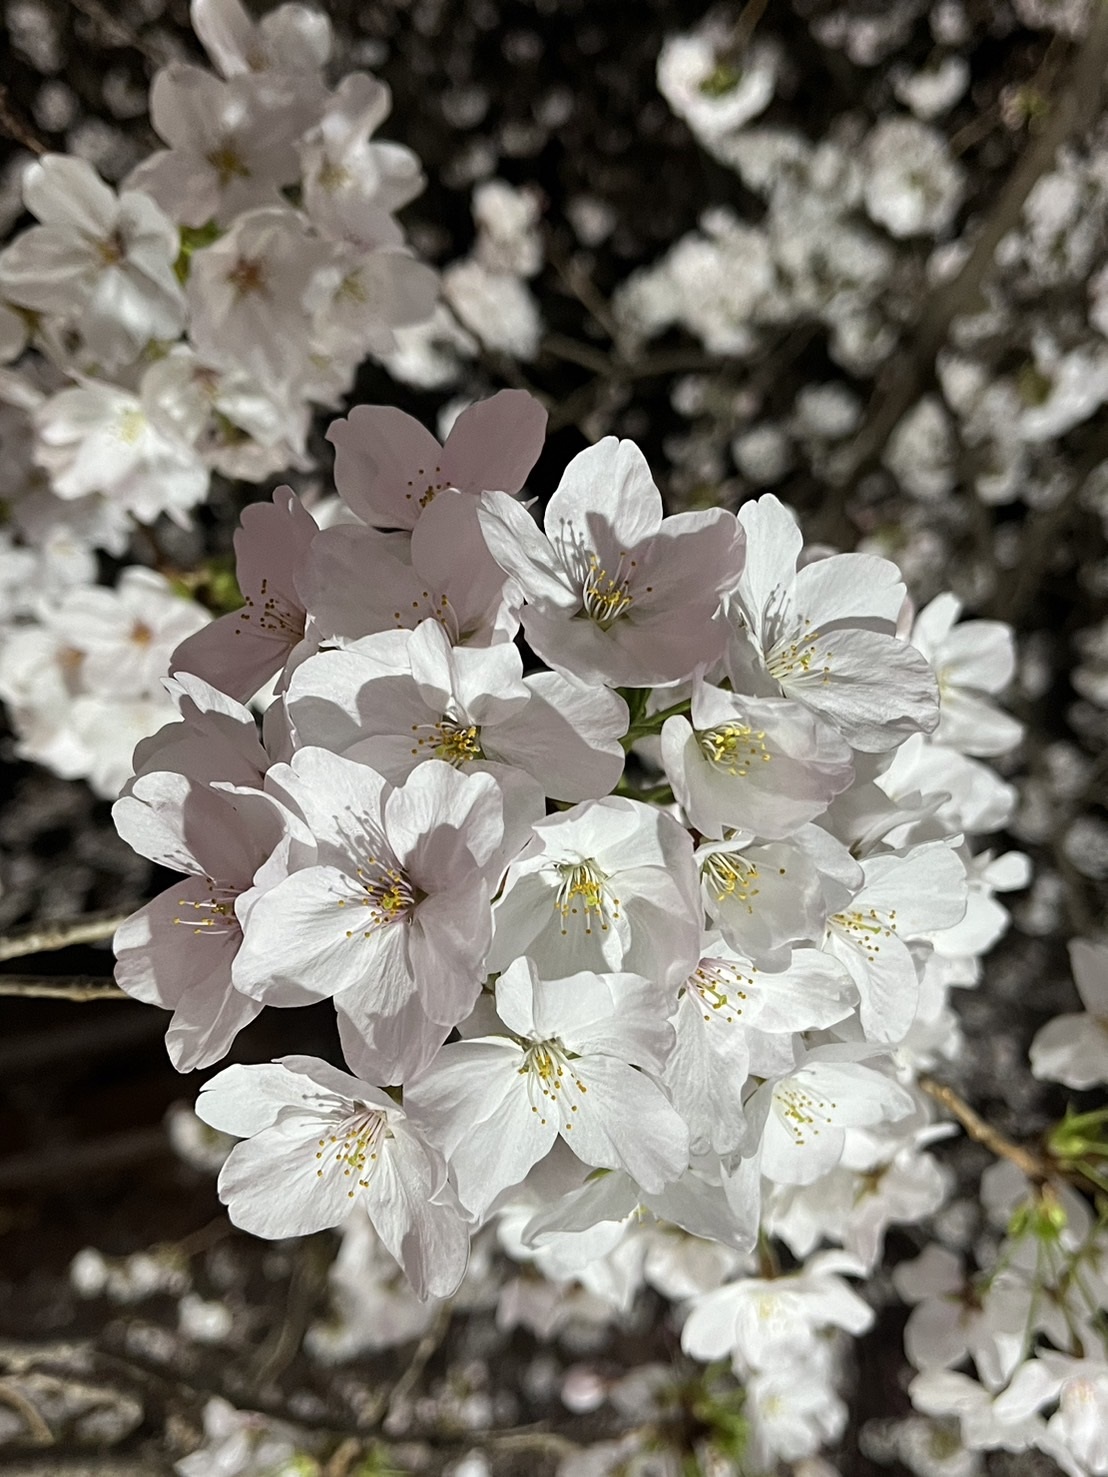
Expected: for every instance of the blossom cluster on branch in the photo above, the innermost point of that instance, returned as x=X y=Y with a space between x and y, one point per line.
x=657 y=932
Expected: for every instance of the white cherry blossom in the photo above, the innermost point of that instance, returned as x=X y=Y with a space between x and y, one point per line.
x=824 y=635
x=1073 y=1048
x=317 y=1145
x=764 y=765
x=496 y=1104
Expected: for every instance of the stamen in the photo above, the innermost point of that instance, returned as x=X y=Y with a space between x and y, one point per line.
x=733 y=747
x=353 y=1148
x=730 y=876
x=582 y=893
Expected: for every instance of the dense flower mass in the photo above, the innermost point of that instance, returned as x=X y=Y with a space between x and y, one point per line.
x=660 y=931
x=629 y=846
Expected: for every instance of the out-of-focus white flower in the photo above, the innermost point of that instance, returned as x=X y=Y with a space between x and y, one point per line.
x=715 y=91
x=1073 y=1049
x=912 y=186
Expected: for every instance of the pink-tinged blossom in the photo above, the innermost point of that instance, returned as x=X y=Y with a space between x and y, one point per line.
x=241 y=651
x=231 y=143
x=442 y=572
x=214 y=739
x=319 y=1145
x=903 y=898
x=765 y=765
x=399 y=903
x=101 y=261
x=178 y=951
x=471 y=707
x=615 y=592
x=824 y=635
x=388 y=468
x=496 y=1104
x=1073 y=1049
x=609 y=884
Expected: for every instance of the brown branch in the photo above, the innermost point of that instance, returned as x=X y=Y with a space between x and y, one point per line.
x=1033 y=1165
x=60 y=987
x=40 y=938
x=1073 y=106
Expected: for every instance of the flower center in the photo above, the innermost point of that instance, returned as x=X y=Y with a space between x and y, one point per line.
x=863 y=930
x=803 y=1113
x=273 y=615
x=425 y=491
x=606 y=594
x=717 y=985
x=582 y=893
x=352 y=1149
x=734 y=747
x=799 y=657
x=389 y=896
x=227 y=163
x=730 y=876
x=214 y=915
x=247 y=275
x=456 y=743
x=550 y=1076
x=433 y=608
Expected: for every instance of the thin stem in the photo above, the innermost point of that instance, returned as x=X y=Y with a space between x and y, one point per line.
x=60 y=987
x=40 y=938
x=1032 y=1165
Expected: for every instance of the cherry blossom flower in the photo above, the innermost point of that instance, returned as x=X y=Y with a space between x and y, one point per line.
x=972 y=662
x=248 y=295
x=824 y=635
x=350 y=185
x=241 y=651
x=723 y=1001
x=231 y=143
x=101 y=260
x=317 y=1145
x=1073 y=1049
x=388 y=468
x=471 y=707
x=797 y=1123
x=177 y=951
x=442 y=572
x=609 y=884
x=758 y=1321
x=902 y=898
x=496 y=1104
x=398 y=904
x=615 y=593
x=96 y=438
x=765 y=765
x=291 y=38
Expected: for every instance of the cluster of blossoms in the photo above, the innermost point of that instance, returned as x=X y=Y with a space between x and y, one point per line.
x=654 y=935
x=191 y=321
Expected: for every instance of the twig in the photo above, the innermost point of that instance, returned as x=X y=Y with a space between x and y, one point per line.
x=424 y=1352
x=1029 y=1163
x=37 y=1428
x=15 y=128
x=60 y=987
x=40 y=938
x=1073 y=106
